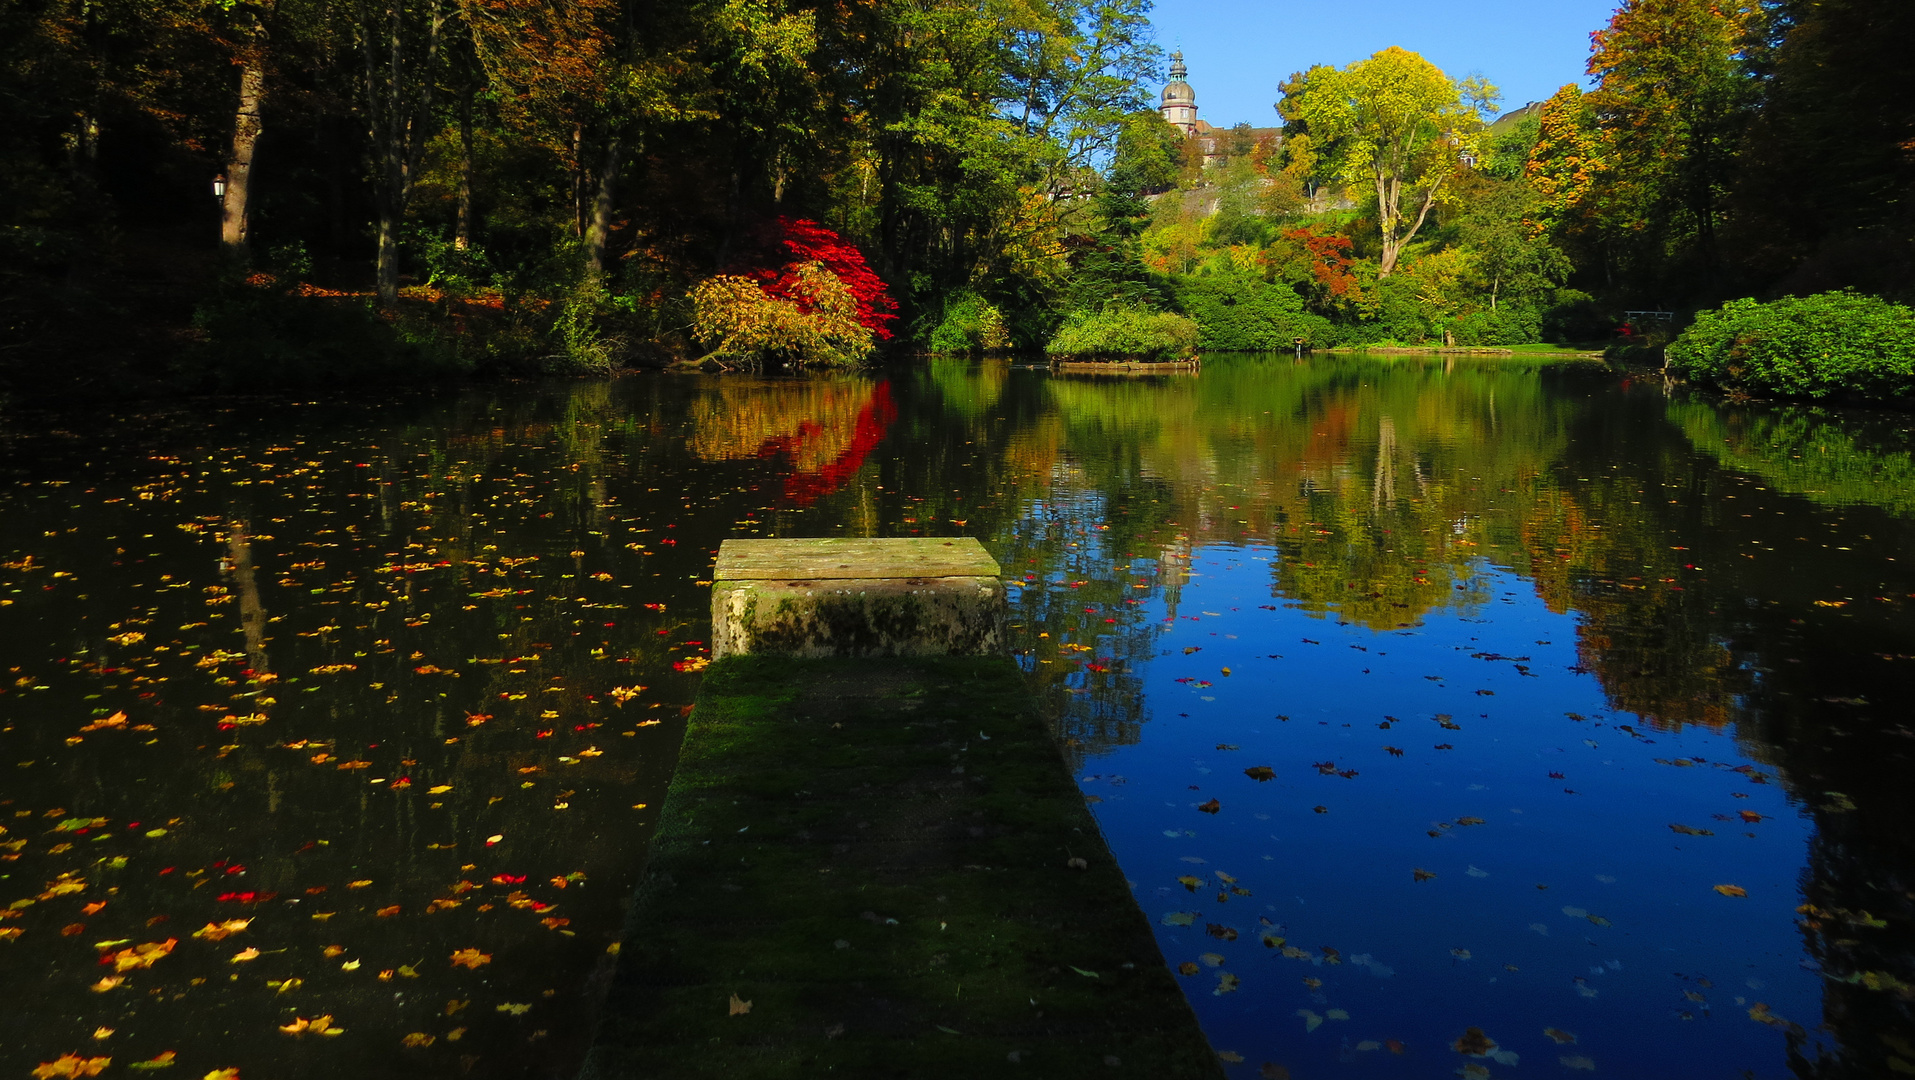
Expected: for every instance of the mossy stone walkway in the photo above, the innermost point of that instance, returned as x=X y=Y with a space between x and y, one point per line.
x=876 y=855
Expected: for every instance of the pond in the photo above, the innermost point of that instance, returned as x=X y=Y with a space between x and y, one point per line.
x=1450 y=717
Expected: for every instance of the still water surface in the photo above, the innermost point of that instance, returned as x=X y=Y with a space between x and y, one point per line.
x=1415 y=697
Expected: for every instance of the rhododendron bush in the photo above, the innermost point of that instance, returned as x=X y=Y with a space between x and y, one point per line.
x=800 y=293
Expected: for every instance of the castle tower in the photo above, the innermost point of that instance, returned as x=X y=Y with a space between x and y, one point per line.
x=1180 y=101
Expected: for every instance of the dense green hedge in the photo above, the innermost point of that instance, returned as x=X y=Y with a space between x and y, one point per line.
x=1125 y=333
x=1247 y=314
x=1819 y=346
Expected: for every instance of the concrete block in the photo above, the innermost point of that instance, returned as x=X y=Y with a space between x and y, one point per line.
x=827 y=597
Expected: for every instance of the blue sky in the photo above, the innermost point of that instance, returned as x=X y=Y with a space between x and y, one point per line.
x=1239 y=50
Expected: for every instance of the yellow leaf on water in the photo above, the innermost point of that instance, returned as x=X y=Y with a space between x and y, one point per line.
x=222 y=1074
x=244 y=955
x=68 y=1065
x=1230 y=1056
x=470 y=958
x=161 y=1060
x=514 y=1009
x=418 y=1038
x=1560 y=1036
x=739 y=1006
x=439 y=789
x=1732 y=890
x=220 y=931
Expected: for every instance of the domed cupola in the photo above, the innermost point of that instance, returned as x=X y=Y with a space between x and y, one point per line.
x=1180 y=101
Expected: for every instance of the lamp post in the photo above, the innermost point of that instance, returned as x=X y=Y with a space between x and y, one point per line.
x=219 y=187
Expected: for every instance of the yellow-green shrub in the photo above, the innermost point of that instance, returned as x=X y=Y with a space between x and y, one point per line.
x=737 y=319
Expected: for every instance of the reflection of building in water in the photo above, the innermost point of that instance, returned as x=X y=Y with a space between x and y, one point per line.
x=825 y=429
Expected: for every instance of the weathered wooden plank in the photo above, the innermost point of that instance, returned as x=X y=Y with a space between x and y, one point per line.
x=830 y=559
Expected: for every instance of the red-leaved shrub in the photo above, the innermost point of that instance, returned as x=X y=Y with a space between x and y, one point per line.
x=783 y=244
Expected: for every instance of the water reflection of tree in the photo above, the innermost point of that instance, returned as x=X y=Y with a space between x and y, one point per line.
x=822 y=428
x=1832 y=457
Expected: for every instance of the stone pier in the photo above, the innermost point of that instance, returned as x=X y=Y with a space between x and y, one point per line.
x=877 y=865
x=892 y=597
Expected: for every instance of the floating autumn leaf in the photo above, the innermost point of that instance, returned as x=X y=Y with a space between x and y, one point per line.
x=470 y=958
x=1732 y=890
x=1189 y=882
x=1561 y=1037
x=71 y=1065
x=1421 y=874
x=1211 y=807
x=387 y=912
x=162 y=1060
x=139 y=956
x=117 y=720
x=1226 y=984
x=1260 y=773
x=1188 y=967
x=1230 y=1056
x=1474 y=1043
x=739 y=1006
x=220 y=931
x=106 y=983
x=1687 y=831
x=244 y=955
x=319 y=1025
x=417 y=1039
x=93 y=908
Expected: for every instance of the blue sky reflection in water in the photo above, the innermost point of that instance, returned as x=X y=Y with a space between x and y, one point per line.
x=1479 y=857
x=405 y=677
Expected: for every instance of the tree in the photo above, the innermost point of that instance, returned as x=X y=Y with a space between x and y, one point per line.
x=399 y=44
x=1569 y=158
x=1674 y=95
x=1823 y=187
x=1512 y=257
x=1396 y=122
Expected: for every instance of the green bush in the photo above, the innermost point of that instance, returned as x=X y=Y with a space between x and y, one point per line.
x=1123 y=333
x=971 y=324
x=1401 y=314
x=1574 y=316
x=1247 y=314
x=1802 y=346
x=1510 y=324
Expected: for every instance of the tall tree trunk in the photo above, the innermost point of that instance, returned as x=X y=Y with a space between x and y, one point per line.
x=235 y=219
x=399 y=115
x=602 y=203
x=462 y=230
x=578 y=179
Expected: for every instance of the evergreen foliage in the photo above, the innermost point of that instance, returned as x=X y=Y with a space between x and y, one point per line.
x=1122 y=333
x=1828 y=345
x=1239 y=313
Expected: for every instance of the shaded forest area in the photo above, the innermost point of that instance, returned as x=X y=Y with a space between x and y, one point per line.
x=422 y=186
x=434 y=188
